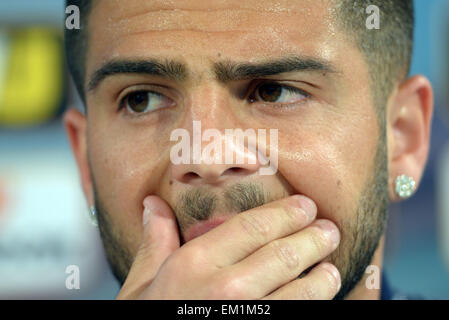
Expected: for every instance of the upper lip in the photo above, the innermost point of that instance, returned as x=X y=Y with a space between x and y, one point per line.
x=202 y=227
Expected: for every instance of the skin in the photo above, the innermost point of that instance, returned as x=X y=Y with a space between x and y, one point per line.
x=326 y=150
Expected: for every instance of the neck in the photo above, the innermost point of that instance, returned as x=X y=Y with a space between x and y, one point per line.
x=366 y=289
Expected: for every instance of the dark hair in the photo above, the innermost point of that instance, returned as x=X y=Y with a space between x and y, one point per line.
x=387 y=50
x=75 y=42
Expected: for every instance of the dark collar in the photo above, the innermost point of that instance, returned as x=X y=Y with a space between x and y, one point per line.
x=385 y=292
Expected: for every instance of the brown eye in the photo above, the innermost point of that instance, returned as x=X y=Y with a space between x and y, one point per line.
x=270 y=92
x=273 y=92
x=138 y=101
x=145 y=101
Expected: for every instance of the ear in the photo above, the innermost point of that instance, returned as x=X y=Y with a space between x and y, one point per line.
x=76 y=127
x=409 y=119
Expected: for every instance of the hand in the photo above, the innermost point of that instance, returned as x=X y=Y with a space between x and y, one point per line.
x=257 y=254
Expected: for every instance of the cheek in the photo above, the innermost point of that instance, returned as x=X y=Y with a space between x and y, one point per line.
x=329 y=165
x=126 y=166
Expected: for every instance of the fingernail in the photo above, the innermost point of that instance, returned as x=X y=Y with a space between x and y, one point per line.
x=330 y=230
x=334 y=273
x=307 y=205
x=146 y=212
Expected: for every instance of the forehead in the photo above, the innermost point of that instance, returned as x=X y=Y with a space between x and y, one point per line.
x=247 y=30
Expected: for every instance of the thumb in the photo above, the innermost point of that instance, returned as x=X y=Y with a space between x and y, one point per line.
x=160 y=238
x=160 y=233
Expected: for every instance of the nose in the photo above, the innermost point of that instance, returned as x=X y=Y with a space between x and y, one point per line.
x=233 y=161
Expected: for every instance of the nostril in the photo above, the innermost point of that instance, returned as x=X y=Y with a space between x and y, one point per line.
x=211 y=174
x=235 y=171
x=189 y=176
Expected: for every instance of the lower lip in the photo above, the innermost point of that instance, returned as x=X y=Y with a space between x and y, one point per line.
x=201 y=228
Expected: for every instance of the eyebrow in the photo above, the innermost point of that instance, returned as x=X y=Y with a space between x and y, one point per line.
x=225 y=71
x=229 y=71
x=168 y=69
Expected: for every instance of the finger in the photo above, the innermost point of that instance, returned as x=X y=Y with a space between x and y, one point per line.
x=160 y=239
x=322 y=283
x=246 y=232
x=282 y=260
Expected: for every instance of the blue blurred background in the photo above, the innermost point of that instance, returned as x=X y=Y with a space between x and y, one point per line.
x=43 y=215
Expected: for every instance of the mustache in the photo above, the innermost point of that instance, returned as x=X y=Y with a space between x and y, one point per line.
x=199 y=204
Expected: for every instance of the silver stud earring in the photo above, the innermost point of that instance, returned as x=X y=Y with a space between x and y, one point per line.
x=405 y=186
x=93 y=216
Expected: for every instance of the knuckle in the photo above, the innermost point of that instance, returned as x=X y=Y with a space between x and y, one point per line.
x=286 y=254
x=320 y=242
x=295 y=217
x=232 y=288
x=191 y=256
x=257 y=227
x=308 y=292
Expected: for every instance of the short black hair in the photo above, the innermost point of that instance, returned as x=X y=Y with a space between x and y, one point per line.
x=75 y=43
x=387 y=50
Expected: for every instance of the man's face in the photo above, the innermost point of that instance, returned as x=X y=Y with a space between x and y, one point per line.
x=328 y=132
